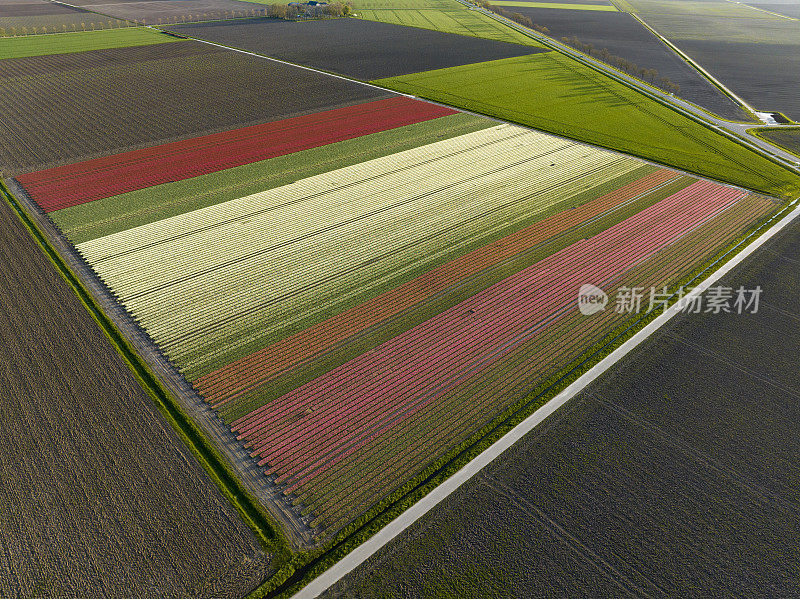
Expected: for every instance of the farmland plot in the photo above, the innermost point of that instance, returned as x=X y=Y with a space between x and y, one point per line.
x=356 y=48
x=41 y=45
x=754 y=53
x=157 y=12
x=90 y=220
x=440 y=15
x=627 y=38
x=554 y=93
x=332 y=321
x=39 y=16
x=148 y=95
x=100 y=497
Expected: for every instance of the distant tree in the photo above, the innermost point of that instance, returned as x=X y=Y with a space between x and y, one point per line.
x=2 y=32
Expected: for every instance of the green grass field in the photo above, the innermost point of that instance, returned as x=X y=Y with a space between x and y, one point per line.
x=554 y=93
x=67 y=43
x=447 y=16
x=556 y=5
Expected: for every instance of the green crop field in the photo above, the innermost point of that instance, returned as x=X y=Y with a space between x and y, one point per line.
x=554 y=93
x=447 y=16
x=556 y=5
x=81 y=41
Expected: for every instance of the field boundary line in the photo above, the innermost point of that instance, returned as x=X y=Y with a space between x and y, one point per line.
x=386 y=534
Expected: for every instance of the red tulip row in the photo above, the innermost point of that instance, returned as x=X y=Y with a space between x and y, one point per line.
x=339 y=493
x=90 y=180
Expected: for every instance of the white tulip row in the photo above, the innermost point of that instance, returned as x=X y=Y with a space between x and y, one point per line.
x=244 y=269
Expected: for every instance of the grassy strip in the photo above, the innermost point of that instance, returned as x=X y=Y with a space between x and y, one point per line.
x=81 y=41
x=251 y=512
x=350 y=537
x=552 y=92
x=91 y=220
x=787 y=138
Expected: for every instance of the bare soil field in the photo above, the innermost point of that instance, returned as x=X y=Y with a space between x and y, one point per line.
x=18 y=18
x=99 y=496
x=787 y=138
x=109 y=101
x=766 y=75
x=361 y=49
x=676 y=475
x=625 y=37
x=790 y=10
x=169 y=10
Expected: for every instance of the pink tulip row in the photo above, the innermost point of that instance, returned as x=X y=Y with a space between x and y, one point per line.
x=370 y=394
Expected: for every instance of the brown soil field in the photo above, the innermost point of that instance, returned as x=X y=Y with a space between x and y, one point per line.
x=108 y=101
x=99 y=496
x=353 y=47
x=151 y=12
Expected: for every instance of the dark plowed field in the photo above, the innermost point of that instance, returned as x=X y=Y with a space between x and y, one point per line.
x=108 y=101
x=766 y=75
x=361 y=49
x=151 y=12
x=677 y=475
x=18 y=18
x=35 y=9
x=625 y=37
x=790 y=10
x=99 y=496
x=788 y=138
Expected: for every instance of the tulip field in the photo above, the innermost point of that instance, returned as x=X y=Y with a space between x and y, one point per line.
x=357 y=291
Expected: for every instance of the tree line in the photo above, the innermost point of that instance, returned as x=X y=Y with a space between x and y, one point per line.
x=623 y=64
x=291 y=13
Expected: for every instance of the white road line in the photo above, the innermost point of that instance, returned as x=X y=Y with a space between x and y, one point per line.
x=364 y=551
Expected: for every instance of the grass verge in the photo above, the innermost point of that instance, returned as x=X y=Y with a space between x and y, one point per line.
x=787 y=138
